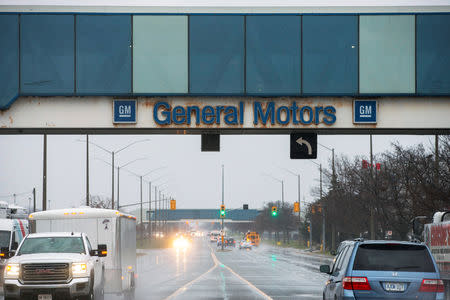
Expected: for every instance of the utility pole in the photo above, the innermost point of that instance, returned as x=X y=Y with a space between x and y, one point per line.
x=333 y=203
x=112 y=180
x=156 y=207
x=87 y=169
x=160 y=212
x=34 y=199
x=223 y=200
x=310 y=233
x=323 y=211
x=142 y=218
x=372 y=213
x=150 y=209
x=118 y=188
x=44 y=176
x=299 y=212
x=436 y=159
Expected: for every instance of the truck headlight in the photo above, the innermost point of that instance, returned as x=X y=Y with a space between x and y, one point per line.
x=79 y=269
x=12 y=271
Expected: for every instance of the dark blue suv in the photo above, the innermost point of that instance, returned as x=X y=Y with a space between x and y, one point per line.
x=383 y=270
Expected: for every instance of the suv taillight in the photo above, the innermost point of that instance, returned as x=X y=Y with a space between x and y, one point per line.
x=432 y=285
x=356 y=283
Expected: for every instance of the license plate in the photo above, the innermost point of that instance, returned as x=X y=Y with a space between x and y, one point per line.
x=394 y=286
x=45 y=297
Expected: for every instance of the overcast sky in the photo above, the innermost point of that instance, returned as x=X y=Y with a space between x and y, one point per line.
x=193 y=176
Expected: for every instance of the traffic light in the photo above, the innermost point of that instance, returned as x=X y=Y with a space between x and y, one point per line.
x=222 y=211
x=173 y=204
x=319 y=209
x=274 y=211
x=309 y=229
x=296 y=206
x=313 y=209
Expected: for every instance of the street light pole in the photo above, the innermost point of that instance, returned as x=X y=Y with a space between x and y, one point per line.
x=87 y=170
x=298 y=197
x=113 y=153
x=223 y=200
x=149 y=209
x=112 y=180
x=323 y=212
x=44 y=176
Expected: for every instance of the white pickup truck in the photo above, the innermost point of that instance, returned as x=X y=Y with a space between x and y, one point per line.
x=55 y=265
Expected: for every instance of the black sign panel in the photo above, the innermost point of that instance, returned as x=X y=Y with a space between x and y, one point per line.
x=303 y=145
x=210 y=142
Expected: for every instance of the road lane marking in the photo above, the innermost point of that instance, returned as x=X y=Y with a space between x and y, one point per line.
x=182 y=289
x=216 y=261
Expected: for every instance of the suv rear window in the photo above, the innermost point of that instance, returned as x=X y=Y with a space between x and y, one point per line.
x=393 y=257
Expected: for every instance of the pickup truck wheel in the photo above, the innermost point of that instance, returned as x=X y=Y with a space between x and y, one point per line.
x=90 y=296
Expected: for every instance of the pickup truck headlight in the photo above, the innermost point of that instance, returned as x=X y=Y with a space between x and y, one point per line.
x=12 y=271
x=79 y=269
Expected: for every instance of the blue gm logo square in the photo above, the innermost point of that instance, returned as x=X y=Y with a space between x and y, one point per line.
x=124 y=111
x=365 y=111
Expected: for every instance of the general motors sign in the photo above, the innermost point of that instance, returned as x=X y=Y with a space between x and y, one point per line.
x=124 y=111
x=365 y=111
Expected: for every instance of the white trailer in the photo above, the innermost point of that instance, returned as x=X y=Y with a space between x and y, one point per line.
x=103 y=226
x=437 y=237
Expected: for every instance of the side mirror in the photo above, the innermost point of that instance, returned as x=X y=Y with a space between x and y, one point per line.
x=325 y=269
x=102 y=251
x=333 y=252
x=14 y=246
x=4 y=253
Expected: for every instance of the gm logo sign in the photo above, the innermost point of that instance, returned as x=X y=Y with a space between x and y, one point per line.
x=124 y=111
x=364 y=111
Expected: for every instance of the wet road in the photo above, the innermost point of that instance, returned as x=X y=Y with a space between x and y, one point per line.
x=202 y=272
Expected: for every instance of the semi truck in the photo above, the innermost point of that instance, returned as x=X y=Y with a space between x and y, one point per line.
x=108 y=227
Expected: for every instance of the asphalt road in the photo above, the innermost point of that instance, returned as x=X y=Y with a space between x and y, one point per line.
x=203 y=272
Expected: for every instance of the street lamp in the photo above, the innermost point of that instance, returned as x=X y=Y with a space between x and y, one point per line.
x=113 y=153
x=282 y=187
x=323 y=208
x=118 y=177
x=299 y=212
x=149 y=198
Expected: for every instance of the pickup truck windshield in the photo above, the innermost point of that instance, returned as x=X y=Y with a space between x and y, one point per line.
x=52 y=245
x=393 y=257
x=4 y=238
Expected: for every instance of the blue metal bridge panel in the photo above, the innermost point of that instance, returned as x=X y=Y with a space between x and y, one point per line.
x=216 y=51
x=47 y=54
x=103 y=54
x=433 y=54
x=9 y=59
x=206 y=214
x=330 y=55
x=273 y=54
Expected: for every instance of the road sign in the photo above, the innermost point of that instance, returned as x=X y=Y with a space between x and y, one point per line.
x=124 y=111
x=303 y=145
x=365 y=111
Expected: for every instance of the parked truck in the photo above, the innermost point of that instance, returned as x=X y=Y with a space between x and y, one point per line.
x=437 y=237
x=54 y=265
x=12 y=232
x=112 y=228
